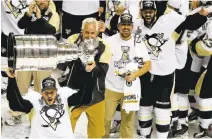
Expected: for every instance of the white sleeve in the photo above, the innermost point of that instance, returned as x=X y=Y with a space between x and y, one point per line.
x=184 y=8
x=175 y=20
x=66 y=92
x=32 y=96
x=181 y=54
x=141 y=51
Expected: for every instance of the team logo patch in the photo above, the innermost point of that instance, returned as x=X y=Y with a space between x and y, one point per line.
x=46 y=18
x=3 y=50
x=16 y=6
x=67 y=31
x=154 y=43
x=52 y=114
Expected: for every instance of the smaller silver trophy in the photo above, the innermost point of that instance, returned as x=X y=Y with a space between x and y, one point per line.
x=43 y=52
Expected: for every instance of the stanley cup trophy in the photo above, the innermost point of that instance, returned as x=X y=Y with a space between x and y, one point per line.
x=43 y=52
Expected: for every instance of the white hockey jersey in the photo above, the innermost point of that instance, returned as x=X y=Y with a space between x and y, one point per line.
x=206 y=30
x=50 y=121
x=202 y=30
x=160 y=44
x=181 y=48
x=79 y=7
x=11 y=12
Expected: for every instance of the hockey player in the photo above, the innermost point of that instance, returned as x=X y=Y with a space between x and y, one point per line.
x=204 y=48
x=11 y=12
x=50 y=117
x=197 y=61
x=186 y=80
x=159 y=34
x=181 y=48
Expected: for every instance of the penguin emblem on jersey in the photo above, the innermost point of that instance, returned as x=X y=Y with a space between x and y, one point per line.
x=154 y=42
x=16 y=6
x=52 y=114
x=124 y=58
x=68 y=31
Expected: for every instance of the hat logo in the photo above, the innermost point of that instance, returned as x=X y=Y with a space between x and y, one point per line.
x=148 y=4
x=126 y=17
x=49 y=84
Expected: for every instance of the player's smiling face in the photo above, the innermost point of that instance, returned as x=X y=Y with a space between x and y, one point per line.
x=148 y=15
x=125 y=30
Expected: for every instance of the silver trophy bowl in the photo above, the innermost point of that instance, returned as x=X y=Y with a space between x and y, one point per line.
x=39 y=52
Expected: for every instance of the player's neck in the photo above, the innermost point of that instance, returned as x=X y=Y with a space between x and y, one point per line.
x=125 y=38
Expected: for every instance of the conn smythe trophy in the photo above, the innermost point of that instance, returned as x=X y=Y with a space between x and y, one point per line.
x=43 y=52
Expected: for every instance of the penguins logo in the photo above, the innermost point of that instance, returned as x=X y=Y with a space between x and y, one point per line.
x=116 y=4
x=154 y=43
x=67 y=31
x=52 y=114
x=16 y=6
x=138 y=60
x=124 y=59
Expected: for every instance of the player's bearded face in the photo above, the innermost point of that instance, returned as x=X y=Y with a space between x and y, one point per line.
x=148 y=16
x=49 y=96
x=125 y=30
x=42 y=4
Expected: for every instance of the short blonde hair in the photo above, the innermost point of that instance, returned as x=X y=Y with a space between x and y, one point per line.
x=88 y=21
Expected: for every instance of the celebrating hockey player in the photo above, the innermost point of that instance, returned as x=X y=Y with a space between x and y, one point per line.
x=186 y=80
x=204 y=48
x=48 y=110
x=160 y=34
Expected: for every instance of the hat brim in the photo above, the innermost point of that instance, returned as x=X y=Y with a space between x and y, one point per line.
x=148 y=8
x=126 y=22
x=49 y=88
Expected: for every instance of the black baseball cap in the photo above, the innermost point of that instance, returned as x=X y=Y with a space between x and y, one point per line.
x=148 y=4
x=126 y=18
x=48 y=83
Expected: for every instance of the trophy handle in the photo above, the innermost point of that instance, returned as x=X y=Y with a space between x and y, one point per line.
x=11 y=52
